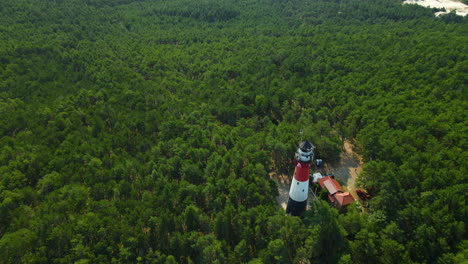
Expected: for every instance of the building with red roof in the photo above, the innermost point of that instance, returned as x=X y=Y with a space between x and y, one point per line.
x=336 y=196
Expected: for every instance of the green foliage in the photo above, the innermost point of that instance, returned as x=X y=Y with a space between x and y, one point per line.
x=207 y=10
x=14 y=244
x=145 y=131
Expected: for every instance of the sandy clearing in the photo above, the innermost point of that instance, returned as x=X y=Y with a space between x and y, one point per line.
x=449 y=5
x=347 y=169
x=284 y=183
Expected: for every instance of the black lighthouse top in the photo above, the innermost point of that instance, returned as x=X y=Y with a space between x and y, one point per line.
x=306 y=146
x=305 y=152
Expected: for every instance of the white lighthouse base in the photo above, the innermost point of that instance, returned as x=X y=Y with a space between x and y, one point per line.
x=298 y=195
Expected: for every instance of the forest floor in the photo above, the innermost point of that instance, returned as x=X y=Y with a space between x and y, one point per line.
x=346 y=171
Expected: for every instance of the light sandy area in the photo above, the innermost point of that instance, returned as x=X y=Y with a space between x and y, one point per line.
x=284 y=183
x=449 y=5
x=347 y=169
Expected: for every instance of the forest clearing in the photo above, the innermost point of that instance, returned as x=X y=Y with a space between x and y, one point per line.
x=345 y=170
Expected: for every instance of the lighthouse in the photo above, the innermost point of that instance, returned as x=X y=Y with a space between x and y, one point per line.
x=298 y=192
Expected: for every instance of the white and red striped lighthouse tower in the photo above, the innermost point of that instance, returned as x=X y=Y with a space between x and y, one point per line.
x=298 y=193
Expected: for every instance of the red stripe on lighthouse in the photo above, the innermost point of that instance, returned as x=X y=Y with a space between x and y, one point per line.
x=301 y=172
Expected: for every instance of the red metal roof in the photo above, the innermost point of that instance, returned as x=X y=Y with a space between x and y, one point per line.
x=344 y=198
x=330 y=184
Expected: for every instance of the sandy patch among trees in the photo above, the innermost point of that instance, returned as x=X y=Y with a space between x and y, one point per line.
x=449 y=5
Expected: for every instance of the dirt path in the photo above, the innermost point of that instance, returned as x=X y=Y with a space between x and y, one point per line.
x=348 y=168
x=284 y=183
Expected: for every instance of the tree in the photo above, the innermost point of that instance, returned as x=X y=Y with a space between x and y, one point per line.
x=14 y=244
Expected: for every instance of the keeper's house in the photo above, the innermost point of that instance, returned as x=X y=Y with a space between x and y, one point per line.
x=336 y=196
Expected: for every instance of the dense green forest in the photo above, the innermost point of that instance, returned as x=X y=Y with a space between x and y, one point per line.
x=144 y=131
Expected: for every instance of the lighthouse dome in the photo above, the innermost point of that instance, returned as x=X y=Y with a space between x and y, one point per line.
x=305 y=152
x=306 y=146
